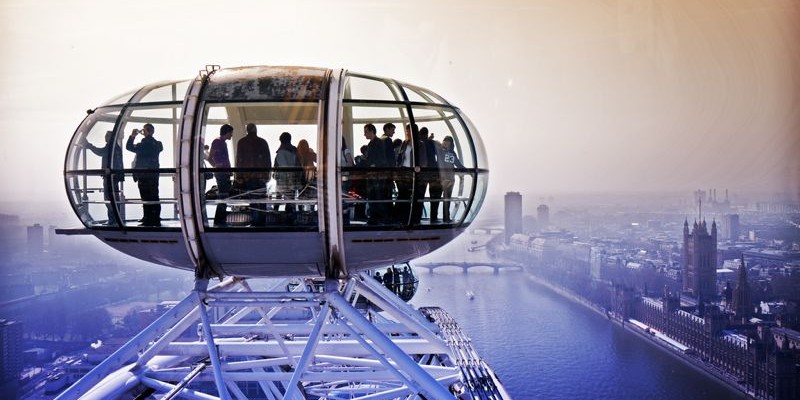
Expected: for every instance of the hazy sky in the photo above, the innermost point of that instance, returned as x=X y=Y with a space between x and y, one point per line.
x=568 y=95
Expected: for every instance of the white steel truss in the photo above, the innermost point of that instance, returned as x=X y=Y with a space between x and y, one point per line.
x=353 y=339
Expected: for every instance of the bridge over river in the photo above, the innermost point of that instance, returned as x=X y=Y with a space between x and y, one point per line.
x=467 y=265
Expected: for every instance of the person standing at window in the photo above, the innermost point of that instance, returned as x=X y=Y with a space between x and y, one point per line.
x=287 y=174
x=391 y=161
x=146 y=174
x=307 y=158
x=218 y=157
x=376 y=191
x=252 y=152
x=432 y=179
x=404 y=179
x=420 y=156
x=448 y=161
x=112 y=177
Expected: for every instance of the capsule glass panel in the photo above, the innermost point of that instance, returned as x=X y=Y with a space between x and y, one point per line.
x=442 y=123
x=121 y=99
x=92 y=161
x=369 y=88
x=373 y=197
x=447 y=166
x=417 y=94
x=456 y=190
x=148 y=189
x=480 y=194
x=163 y=92
x=271 y=187
x=441 y=198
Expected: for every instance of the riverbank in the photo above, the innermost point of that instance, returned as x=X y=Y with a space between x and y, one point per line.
x=688 y=360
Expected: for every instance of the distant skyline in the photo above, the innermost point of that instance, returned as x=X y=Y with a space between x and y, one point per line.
x=569 y=96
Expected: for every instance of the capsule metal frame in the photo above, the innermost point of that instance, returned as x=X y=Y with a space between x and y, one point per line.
x=317 y=233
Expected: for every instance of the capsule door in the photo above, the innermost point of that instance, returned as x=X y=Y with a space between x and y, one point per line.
x=257 y=148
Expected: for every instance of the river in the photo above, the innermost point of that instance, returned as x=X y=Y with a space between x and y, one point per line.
x=543 y=346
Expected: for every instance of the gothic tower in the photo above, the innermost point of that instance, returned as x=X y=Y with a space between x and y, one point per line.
x=742 y=300
x=700 y=260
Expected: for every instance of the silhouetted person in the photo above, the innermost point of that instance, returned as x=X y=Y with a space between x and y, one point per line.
x=218 y=157
x=448 y=161
x=420 y=156
x=396 y=280
x=147 y=152
x=252 y=152
x=387 y=137
x=397 y=144
x=288 y=182
x=432 y=178
x=111 y=162
x=376 y=190
x=307 y=158
x=404 y=178
x=408 y=282
x=390 y=161
x=388 y=279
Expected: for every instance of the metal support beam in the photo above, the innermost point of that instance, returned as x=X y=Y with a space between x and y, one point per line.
x=259 y=344
x=431 y=387
x=212 y=351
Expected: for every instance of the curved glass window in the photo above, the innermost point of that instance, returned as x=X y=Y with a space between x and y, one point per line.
x=163 y=92
x=267 y=179
x=441 y=123
x=148 y=187
x=480 y=150
x=93 y=170
x=375 y=187
x=424 y=174
x=421 y=95
x=477 y=199
x=117 y=178
x=368 y=88
x=121 y=99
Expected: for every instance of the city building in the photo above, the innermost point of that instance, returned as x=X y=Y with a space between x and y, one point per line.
x=543 y=215
x=597 y=258
x=513 y=214
x=750 y=340
x=730 y=227
x=35 y=239
x=700 y=260
x=12 y=234
x=10 y=358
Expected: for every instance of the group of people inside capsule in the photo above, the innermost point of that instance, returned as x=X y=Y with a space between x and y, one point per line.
x=294 y=170
x=400 y=282
x=394 y=198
